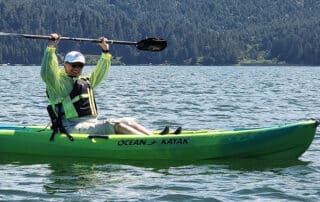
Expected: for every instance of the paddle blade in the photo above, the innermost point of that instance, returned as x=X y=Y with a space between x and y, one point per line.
x=152 y=44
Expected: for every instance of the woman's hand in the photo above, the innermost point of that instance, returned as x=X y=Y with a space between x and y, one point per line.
x=54 y=40
x=104 y=45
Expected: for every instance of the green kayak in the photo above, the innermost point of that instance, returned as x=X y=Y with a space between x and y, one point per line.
x=288 y=141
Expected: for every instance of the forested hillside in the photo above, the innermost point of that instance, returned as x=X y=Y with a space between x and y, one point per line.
x=205 y=32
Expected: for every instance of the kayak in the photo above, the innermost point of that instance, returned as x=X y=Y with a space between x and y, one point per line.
x=286 y=141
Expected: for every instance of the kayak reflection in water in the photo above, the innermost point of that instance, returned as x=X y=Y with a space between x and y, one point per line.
x=72 y=106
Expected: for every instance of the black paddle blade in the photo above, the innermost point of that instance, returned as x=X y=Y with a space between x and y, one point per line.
x=152 y=44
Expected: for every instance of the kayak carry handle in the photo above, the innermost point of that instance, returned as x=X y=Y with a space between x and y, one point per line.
x=98 y=136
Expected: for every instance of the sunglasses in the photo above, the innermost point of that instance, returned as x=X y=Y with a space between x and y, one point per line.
x=77 y=65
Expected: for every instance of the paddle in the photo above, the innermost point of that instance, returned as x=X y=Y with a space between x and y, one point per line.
x=148 y=44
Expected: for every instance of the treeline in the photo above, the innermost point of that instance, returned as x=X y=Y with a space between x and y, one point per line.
x=202 y=32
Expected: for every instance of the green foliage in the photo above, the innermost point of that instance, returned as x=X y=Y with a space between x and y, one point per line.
x=202 y=32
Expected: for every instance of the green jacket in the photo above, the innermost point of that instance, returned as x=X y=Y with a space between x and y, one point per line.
x=59 y=84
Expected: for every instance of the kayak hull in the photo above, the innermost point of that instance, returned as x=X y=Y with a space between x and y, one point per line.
x=288 y=141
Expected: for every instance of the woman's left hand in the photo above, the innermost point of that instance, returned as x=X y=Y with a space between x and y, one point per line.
x=104 y=45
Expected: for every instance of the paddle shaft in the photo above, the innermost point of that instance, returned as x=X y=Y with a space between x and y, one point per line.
x=30 y=36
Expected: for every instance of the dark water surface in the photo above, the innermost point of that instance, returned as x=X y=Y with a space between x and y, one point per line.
x=192 y=97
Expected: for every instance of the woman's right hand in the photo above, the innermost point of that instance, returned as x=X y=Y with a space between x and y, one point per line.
x=54 y=39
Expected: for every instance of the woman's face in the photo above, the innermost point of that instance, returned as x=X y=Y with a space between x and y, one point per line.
x=73 y=69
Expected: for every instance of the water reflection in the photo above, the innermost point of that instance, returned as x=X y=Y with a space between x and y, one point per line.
x=66 y=164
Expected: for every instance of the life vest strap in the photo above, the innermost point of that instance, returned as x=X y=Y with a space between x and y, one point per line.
x=56 y=121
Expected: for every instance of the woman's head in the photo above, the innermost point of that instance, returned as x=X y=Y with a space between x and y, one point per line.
x=73 y=63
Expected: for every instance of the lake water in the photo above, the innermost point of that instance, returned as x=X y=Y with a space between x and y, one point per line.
x=194 y=97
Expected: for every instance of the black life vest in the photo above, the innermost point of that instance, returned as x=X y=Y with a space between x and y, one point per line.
x=82 y=99
x=79 y=103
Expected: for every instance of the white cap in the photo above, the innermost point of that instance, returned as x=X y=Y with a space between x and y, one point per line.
x=74 y=56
